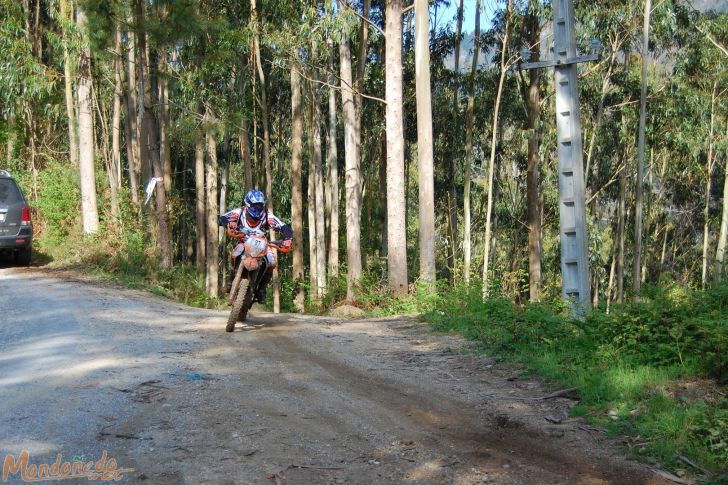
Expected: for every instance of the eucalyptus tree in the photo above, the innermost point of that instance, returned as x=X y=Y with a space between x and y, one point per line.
x=426 y=181
x=396 y=204
x=531 y=35
x=89 y=210
x=65 y=20
x=505 y=61
x=352 y=177
x=469 y=158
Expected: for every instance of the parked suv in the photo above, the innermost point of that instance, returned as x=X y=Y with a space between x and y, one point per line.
x=16 y=228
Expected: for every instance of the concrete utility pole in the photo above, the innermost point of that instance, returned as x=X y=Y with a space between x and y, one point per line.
x=572 y=221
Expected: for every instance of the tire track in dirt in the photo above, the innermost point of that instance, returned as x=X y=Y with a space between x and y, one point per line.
x=439 y=423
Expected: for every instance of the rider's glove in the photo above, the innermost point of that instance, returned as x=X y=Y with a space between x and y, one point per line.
x=286 y=245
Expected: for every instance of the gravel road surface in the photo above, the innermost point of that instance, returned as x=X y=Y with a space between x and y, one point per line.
x=87 y=367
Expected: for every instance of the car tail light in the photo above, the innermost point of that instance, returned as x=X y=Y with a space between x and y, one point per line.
x=26 y=216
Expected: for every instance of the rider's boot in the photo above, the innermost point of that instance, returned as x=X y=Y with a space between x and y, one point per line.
x=260 y=291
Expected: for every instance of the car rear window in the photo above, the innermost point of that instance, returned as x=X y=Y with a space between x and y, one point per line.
x=9 y=192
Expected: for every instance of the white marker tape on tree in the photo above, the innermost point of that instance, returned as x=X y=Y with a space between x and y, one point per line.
x=150 y=188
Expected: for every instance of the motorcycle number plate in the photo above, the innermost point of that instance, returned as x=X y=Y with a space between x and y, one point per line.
x=256 y=246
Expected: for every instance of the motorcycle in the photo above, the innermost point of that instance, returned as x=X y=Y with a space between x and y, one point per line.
x=250 y=264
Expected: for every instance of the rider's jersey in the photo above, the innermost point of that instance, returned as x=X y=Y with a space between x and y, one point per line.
x=238 y=225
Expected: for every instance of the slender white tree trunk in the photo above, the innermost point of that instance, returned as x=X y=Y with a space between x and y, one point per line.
x=708 y=181
x=132 y=142
x=312 y=247
x=116 y=120
x=396 y=204
x=212 y=253
x=424 y=142
x=723 y=237
x=164 y=121
x=452 y=218
x=493 y=141
x=67 y=16
x=332 y=158
x=245 y=154
x=266 y=144
x=89 y=211
x=469 y=159
x=319 y=200
x=352 y=177
x=296 y=192
x=316 y=187
x=637 y=262
x=201 y=235
x=622 y=215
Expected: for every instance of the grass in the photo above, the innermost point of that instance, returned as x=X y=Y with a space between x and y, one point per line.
x=653 y=372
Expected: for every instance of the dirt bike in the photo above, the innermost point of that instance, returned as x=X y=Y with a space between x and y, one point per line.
x=250 y=264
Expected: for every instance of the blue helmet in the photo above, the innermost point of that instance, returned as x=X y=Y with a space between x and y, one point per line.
x=255 y=204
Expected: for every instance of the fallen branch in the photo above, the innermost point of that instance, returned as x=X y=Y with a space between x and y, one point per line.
x=561 y=393
x=280 y=475
x=314 y=467
x=671 y=477
x=693 y=464
x=586 y=427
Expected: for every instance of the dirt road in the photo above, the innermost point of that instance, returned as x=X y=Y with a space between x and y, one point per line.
x=164 y=390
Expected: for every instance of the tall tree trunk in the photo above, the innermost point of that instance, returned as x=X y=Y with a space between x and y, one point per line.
x=708 y=181
x=453 y=199
x=296 y=192
x=266 y=142
x=637 y=263
x=648 y=216
x=359 y=87
x=67 y=16
x=212 y=248
x=533 y=107
x=200 y=203
x=107 y=157
x=89 y=211
x=318 y=188
x=116 y=117
x=312 y=247
x=352 y=178
x=245 y=154
x=332 y=157
x=606 y=83
x=493 y=141
x=383 y=195
x=620 y=232
x=612 y=268
x=361 y=64
x=723 y=237
x=12 y=139
x=150 y=144
x=424 y=142
x=469 y=158
x=132 y=139
x=396 y=219
x=164 y=120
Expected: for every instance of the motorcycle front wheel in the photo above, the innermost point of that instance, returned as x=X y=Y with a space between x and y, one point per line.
x=243 y=302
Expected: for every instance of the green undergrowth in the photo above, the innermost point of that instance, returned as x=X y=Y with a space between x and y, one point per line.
x=127 y=258
x=653 y=372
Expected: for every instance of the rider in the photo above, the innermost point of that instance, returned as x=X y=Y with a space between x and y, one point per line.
x=253 y=218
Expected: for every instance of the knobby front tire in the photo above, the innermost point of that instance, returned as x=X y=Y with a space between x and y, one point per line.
x=238 y=309
x=236 y=283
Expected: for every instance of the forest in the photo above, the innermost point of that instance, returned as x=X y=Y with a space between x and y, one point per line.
x=413 y=155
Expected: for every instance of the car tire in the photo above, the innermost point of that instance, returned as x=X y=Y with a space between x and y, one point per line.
x=23 y=256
